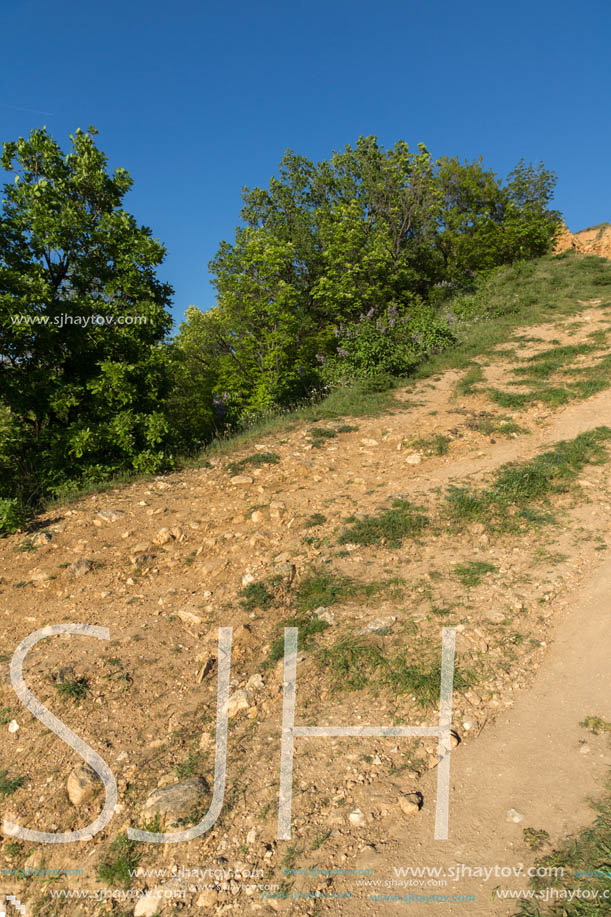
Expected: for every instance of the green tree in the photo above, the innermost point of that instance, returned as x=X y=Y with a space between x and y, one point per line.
x=83 y=318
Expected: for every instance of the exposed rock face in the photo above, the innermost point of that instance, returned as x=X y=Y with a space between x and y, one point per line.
x=595 y=240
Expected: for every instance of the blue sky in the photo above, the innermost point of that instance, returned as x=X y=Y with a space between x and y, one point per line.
x=197 y=99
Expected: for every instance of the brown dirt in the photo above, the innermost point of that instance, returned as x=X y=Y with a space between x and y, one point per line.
x=530 y=632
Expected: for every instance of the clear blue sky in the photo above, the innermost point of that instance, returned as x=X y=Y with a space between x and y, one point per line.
x=198 y=99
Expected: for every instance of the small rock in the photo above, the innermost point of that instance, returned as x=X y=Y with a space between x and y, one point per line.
x=41 y=538
x=255 y=683
x=163 y=536
x=585 y=749
x=414 y=459
x=208 y=898
x=82 y=784
x=242 y=479
x=377 y=626
x=81 y=567
x=150 y=904
x=39 y=576
x=251 y=837
x=410 y=803
x=177 y=800
x=325 y=614
x=257 y=516
x=142 y=560
x=284 y=571
x=238 y=701
x=467 y=725
x=357 y=818
x=514 y=816
x=13 y=726
x=189 y=617
x=110 y=515
x=247 y=579
x=369 y=442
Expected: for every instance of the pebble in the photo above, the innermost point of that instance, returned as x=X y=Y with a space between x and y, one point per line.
x=238 y=701
x=414 y=459
x=410 y=803
x=80 y=567
x=82 y=784
x=109 y=515
x=242 y=479
x=514 y=816
x=357 y=818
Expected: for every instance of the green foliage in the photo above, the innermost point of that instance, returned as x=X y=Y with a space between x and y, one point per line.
x=259 y=458
x=506 y=503
x=308 y=626
x=585 y=865
x=356 y=662
x=76 y=689
x=472 y=572
x=340 y=270
x=82 y=318
x=8 y=785
x=390 y=527
x=596 y=724
x=121 y=860
x=256 y=595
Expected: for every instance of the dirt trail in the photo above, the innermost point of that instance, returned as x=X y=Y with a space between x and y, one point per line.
x=532 y=759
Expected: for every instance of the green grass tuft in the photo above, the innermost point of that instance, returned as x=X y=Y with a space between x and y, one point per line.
x=390 y=527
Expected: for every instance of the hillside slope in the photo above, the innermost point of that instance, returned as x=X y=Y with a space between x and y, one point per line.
x=480 y=501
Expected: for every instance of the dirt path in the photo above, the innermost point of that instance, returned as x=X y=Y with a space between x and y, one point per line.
x=532 y=759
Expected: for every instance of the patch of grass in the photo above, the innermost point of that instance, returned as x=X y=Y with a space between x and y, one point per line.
x=308 y=626
x=290 y=857
x=122 y=858
x=390 y=527
x=5 y=716
x=432 y=445
x=76 y=689
x=472 y=572
x=8 y=784
x=535 y=838
x=596 y=724
x=319 y=841
x=487 y=424
x=257 y=459
x=355 y=663
x=323 y=588
x=585 y=862
x=466 y=385
x=256 y=595
x=26 y=545
x=321 y=433
x=346 y=428
x=314 y=520
x=505 y=505
x=351 y=662
x=189 y=766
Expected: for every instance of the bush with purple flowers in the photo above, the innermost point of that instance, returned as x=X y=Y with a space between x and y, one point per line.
x=387 y=342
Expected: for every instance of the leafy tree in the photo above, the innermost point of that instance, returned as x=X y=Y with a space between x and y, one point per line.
x=83 y=317
x=326 y=243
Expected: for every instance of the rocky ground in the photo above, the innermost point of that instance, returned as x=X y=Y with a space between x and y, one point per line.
x=352 y=531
